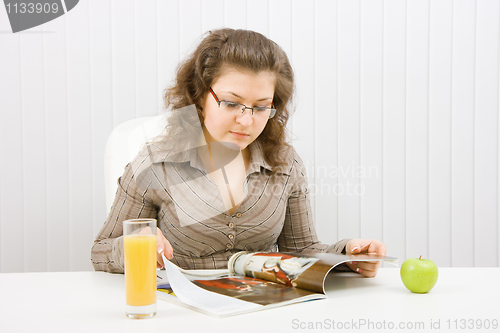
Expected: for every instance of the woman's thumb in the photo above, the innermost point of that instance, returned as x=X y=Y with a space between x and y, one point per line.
x=355 y=248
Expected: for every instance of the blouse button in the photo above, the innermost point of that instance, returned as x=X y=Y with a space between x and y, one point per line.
x=231 y=237
x=229 y=246
x=231 y=225
x=238 y=214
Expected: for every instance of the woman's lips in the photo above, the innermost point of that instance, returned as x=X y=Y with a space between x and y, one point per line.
x=240 y=135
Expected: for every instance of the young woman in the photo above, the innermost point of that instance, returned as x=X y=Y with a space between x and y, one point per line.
x=234 y=186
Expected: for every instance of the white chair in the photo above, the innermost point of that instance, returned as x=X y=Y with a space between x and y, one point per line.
x=123 y=144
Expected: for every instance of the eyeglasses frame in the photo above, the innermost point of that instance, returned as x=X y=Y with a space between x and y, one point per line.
x=271 y=114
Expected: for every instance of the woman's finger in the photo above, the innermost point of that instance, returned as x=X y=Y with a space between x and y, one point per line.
x=368 y=269
x=162 y=247
x=169 y=251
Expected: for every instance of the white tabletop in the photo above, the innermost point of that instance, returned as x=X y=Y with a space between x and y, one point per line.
x=95 y=302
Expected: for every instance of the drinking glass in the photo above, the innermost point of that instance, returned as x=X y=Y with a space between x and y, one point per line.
x=139 y=244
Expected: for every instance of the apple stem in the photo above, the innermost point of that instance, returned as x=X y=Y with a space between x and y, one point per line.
x=419 y=257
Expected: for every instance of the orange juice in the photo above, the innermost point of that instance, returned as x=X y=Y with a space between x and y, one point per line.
x=140 y=269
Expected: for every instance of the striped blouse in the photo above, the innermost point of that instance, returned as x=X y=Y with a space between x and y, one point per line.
x=176 y=190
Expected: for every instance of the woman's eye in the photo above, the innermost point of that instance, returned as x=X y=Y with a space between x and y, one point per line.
x=260 y=109
x=231 y=105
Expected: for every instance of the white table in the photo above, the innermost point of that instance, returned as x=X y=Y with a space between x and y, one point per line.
x=95 y=302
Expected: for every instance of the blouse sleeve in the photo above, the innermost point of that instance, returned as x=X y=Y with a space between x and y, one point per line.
x=298 y=233
x=131 y=202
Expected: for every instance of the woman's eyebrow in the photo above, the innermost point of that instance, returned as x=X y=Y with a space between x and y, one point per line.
x=236 y=95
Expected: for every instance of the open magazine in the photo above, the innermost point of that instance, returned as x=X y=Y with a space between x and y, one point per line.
x=253 y=281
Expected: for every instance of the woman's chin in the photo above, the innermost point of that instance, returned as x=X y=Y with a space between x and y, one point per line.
x=242 y=144
x=230 y=145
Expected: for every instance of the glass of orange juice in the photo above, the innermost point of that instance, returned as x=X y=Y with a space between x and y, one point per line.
x=139 y=245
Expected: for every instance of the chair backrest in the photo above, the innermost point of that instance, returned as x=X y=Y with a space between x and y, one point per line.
x=123 y=144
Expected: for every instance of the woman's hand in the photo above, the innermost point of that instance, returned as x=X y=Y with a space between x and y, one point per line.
x=372 y=246
x=162 y=246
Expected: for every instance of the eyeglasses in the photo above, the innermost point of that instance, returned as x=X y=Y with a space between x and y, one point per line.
x=233 y=108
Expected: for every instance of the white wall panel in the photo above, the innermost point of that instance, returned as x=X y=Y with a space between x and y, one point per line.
x=235 y=14
x=12 y=249
x=417 y=124
x=486 y=131
x=56 y=133
x=303 y=64
x=280 y=31
x=168 y=44
x=123 y=60
x=79 y=137
x=394 y=124
x=212 y=15
x=440 y=85
x=280 y=24
x=146 y=63
x=462 y=132
x=101 y=102
x=258 y=16
x=398 y=97
x=371 y=118
x=348 y=126
x=189 y=26
x=33 y=118
x=324 y=165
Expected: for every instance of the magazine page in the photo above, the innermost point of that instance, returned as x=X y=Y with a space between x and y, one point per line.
x=253 y=281
x=220 y=295
x=206 y=301
x=304 y=271
x=256 y=290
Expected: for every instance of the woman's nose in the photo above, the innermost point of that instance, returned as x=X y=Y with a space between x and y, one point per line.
x=245 y=117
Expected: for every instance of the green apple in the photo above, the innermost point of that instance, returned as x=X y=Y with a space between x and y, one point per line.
x=419 y=275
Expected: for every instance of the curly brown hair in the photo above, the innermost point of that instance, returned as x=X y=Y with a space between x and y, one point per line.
x=242 y=50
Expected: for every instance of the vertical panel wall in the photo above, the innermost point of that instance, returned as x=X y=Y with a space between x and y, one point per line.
x=348 y=115
x=80 y=133
x=56 y=144
x=323 y=167
x=486 y=130
x=462 y=133
x=396 y=117
x=371 y=118
x=417 y=129
x=439 y=129
x=33 y=151
x=394 y=134
x=101 y=92
x=11 y=143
